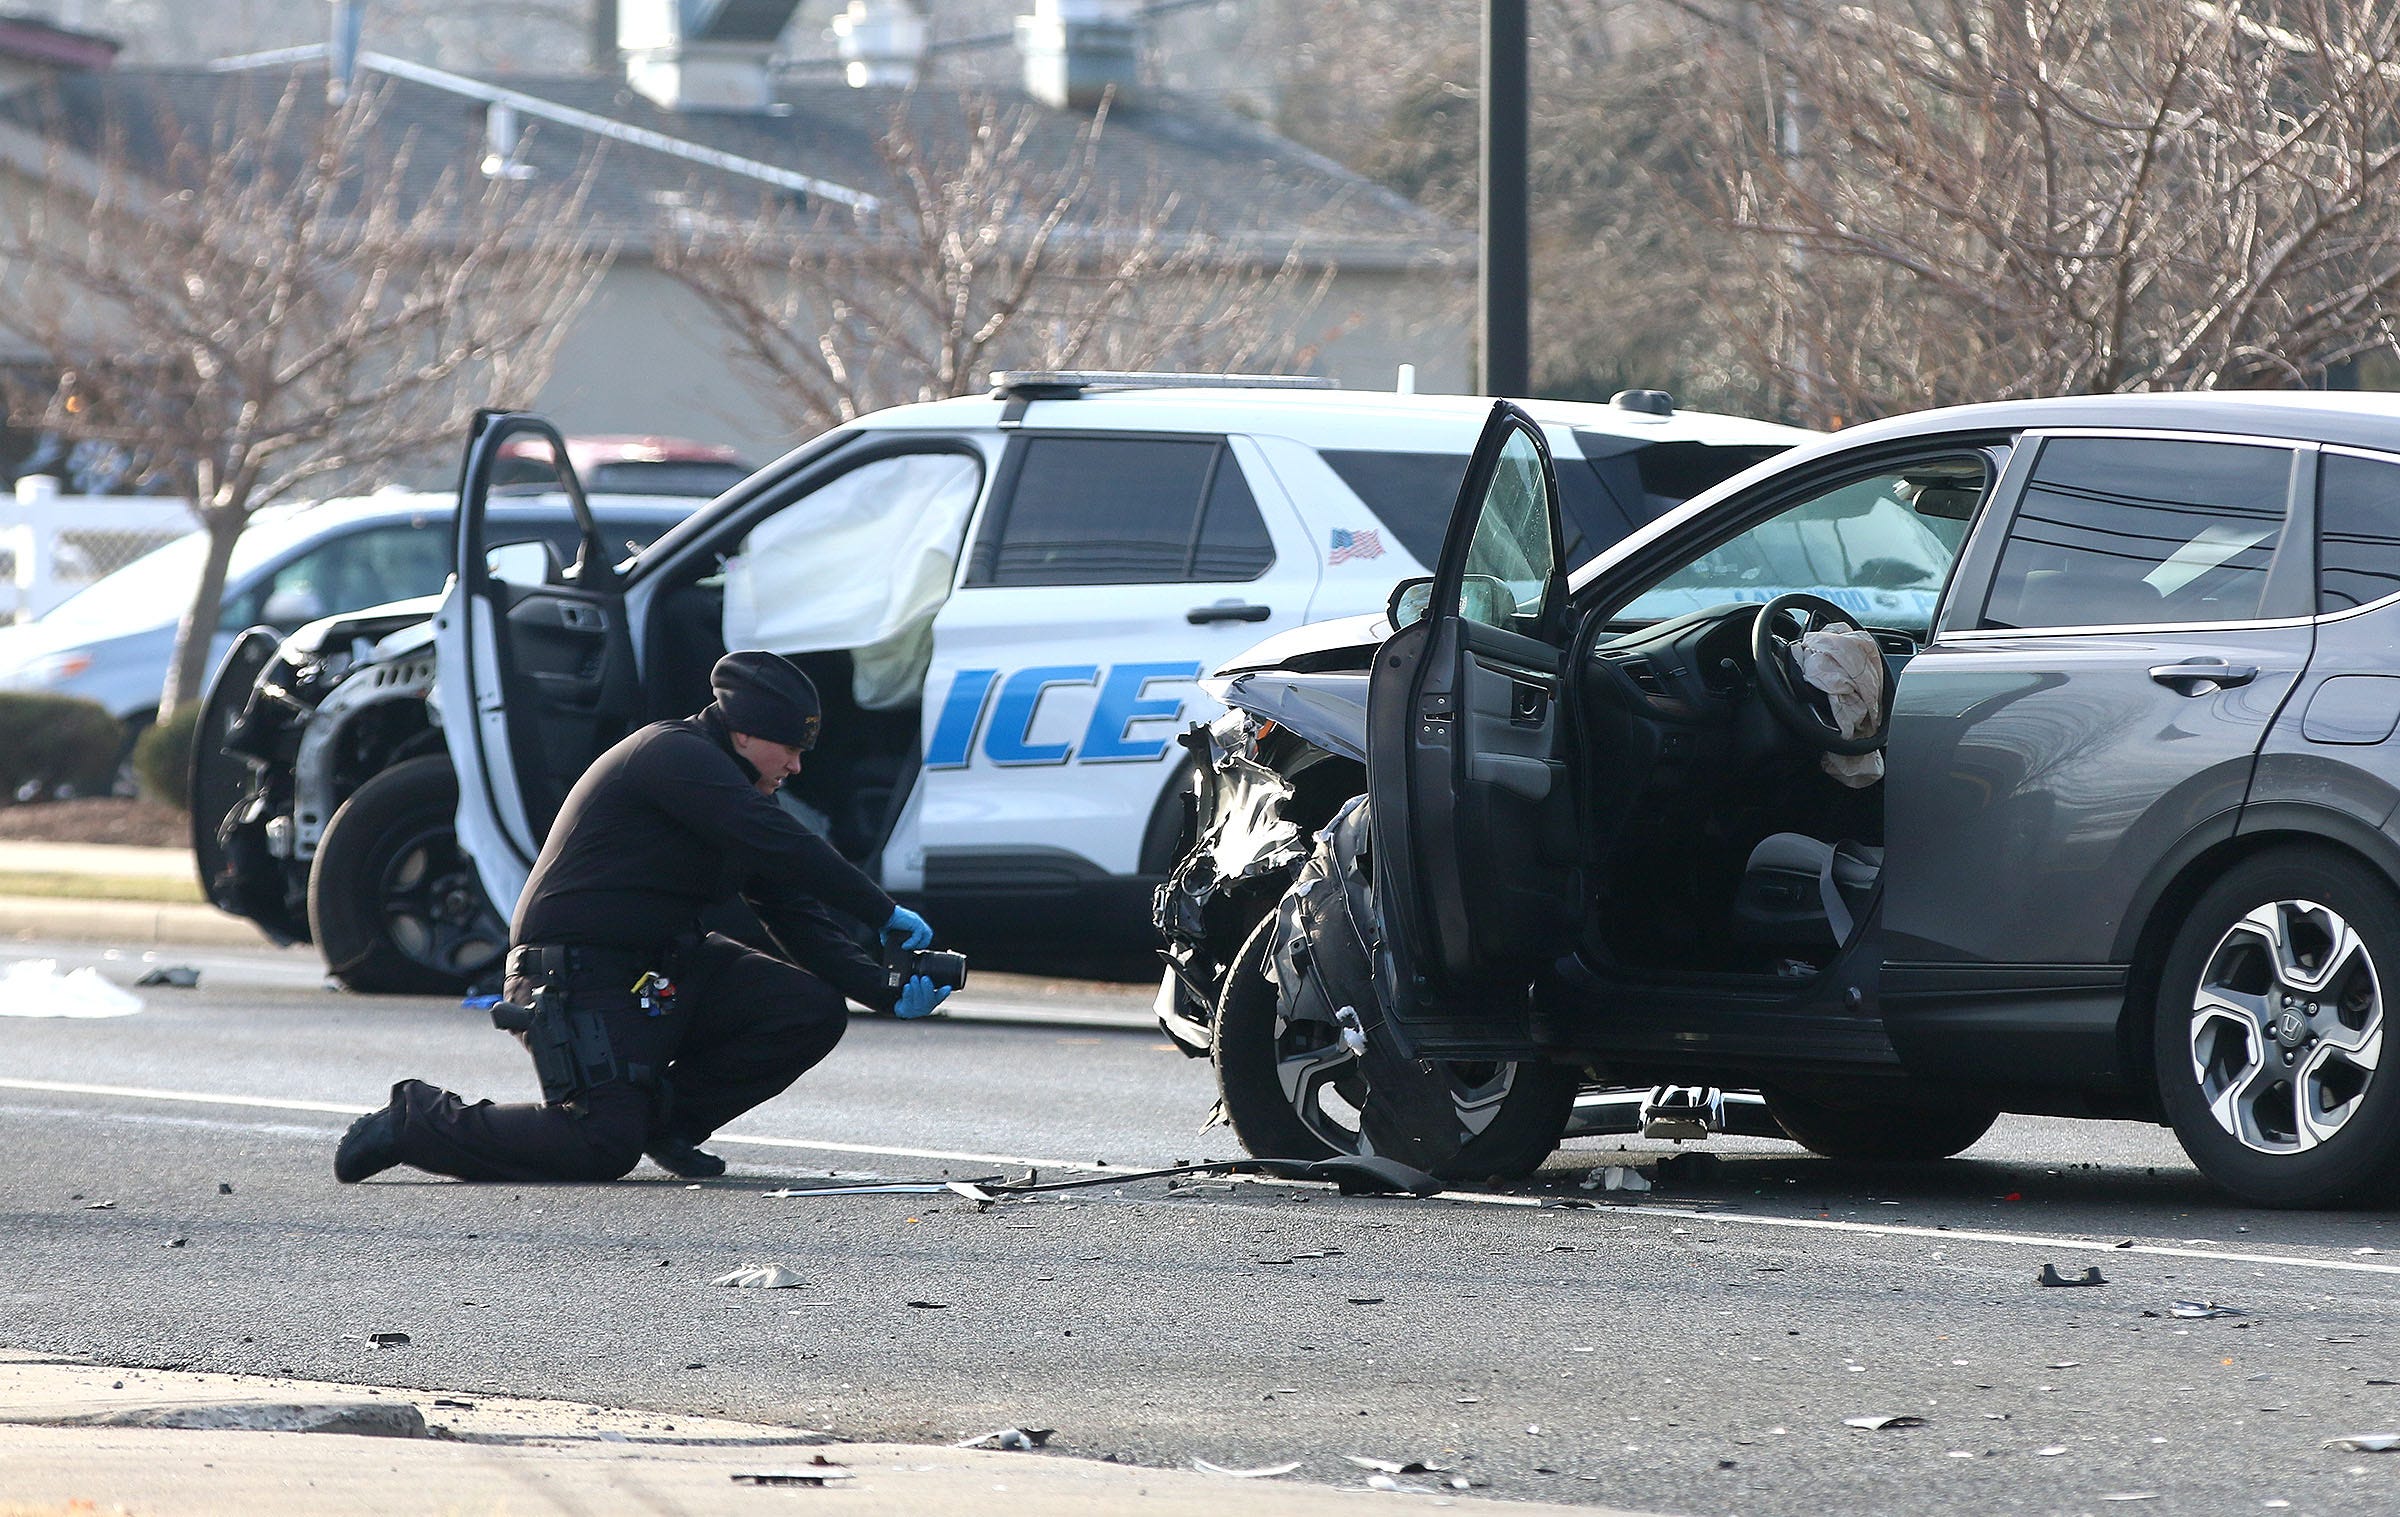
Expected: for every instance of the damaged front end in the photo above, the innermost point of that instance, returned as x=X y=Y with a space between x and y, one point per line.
x=1271 y=772
x=290 y=726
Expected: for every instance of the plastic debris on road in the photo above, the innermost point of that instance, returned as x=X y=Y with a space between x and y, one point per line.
x=2090 y=1276
x=178 y=976
x=2198 y=1310
x=820 y=1471
x=1398 y=1466
x=1883 y=1424
x=388 y=1340
x=1019 y=1439
x=35 y=988
x=1400 y=1487
x=1263 y=1472
x=2365 y=1443
x=1618 y=1177
x=773 y=1277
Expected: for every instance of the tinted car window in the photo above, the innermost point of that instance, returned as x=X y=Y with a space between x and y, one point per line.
x=1106 y=511
x=1233 y=537
x=2129 y=531
x=1618 y=485
x=2358 y=531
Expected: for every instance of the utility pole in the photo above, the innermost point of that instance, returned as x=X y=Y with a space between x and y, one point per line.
x=1504 y=323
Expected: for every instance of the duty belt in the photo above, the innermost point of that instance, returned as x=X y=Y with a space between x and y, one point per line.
x=572 y=988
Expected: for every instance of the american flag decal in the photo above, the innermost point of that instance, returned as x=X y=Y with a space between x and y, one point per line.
x=1348 y=545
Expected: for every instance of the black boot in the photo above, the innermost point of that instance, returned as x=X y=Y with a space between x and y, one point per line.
x=678 y=1157
x=372 y=1145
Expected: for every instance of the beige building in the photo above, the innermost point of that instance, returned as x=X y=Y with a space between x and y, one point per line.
x=699 y=114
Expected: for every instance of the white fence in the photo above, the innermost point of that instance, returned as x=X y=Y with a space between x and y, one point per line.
x=52 y=545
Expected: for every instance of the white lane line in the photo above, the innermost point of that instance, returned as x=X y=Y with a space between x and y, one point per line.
x=1679 y=1213
x=339 y=1109
x=145 y=1093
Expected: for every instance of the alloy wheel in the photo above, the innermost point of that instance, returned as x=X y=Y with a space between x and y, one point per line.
x=2286 y=1027
x=1317 y=1064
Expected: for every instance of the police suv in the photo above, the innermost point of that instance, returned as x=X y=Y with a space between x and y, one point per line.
x=1007 y=603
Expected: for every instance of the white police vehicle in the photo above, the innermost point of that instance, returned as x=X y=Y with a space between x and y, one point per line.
x=1007 y=603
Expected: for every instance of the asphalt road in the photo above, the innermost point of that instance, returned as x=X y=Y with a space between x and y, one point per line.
x=1694 y=1350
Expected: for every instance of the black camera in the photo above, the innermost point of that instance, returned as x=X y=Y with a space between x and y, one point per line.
x=947 y=970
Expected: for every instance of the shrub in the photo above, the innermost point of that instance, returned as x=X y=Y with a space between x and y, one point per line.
x=56 y=745
x=162 y=757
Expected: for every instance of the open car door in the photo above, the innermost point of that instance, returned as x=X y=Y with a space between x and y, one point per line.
x=536 y=665
x=1474 y=816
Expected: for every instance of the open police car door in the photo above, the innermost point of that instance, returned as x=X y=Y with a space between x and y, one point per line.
x=536 y=665
x=1474 y=822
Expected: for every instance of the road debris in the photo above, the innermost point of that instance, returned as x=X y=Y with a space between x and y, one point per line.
x=2365 y=1443
x=2052 y=1452
x=1883 y=1424
x=931 y=1306
x=1263 y=1472
x=1400 y=1487
x=2090 y=1276
x=388 y=1340
x=1018 y=1439
x=2131 y=1496
x=1366 y=1301
x=1617 y=1177
x=178 y=976
x=820 y=1471
x=224 y=1189
x=1351 y=1174
x=35 y=988
x=1398 y=1466
x=100 y=1206
x=772 y=1277
x=2200 y=1310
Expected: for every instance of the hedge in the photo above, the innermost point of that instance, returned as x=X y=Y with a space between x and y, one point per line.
x=162 y=757
x=56 y=746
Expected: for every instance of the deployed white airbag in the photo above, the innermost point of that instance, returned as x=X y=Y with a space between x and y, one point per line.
x=1848 y=667
x=863 y=564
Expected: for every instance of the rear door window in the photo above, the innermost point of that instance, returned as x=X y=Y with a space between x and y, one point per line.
x=2125 y=531
x=2358 y=531
x=1121 y=511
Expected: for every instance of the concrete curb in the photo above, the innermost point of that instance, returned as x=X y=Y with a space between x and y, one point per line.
x=130 y=924
x=498 y=1455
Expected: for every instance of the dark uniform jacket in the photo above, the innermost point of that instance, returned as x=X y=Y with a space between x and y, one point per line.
x=669 y=823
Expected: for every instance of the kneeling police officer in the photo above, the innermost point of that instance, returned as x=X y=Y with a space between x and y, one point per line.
x=648 y=1034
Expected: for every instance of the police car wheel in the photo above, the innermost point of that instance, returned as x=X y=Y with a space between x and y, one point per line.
x=393 y=904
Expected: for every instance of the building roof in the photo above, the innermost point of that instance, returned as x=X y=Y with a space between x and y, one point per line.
x=1226 y=177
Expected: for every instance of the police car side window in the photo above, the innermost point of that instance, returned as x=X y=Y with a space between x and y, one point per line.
x=1124 y=510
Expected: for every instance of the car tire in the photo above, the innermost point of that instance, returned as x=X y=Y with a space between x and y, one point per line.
x=1894 y=1127
x=393 y=904
x=2269 y=1028
x=1521 y=1108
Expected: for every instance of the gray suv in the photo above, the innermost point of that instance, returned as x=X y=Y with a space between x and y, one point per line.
x=2111 y=830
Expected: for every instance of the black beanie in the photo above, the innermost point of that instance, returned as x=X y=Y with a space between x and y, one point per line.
x=763 y=695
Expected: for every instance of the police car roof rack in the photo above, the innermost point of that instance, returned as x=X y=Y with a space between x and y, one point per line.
x=1067 y=384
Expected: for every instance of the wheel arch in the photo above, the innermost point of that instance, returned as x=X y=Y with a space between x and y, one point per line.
x=2181 y=878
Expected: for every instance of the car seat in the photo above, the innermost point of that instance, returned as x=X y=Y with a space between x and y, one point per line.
x=1800 y=892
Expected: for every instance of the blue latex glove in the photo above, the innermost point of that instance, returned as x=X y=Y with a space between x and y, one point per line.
x=920 y=931
x=920 y=996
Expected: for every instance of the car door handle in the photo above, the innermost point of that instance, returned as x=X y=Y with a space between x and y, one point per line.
x=1227 y=611
x=2186 y=678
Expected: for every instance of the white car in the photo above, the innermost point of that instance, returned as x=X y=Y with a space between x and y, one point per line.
x=1007 y=603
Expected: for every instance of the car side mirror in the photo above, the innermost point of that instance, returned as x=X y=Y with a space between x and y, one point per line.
x=1408 y=602
x=526 y=563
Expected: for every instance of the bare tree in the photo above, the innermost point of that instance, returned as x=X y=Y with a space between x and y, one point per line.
x=280 y=298
x=1967 y=199
x=986 y=254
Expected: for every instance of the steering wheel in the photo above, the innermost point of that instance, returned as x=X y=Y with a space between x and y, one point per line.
x=1778 y=679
